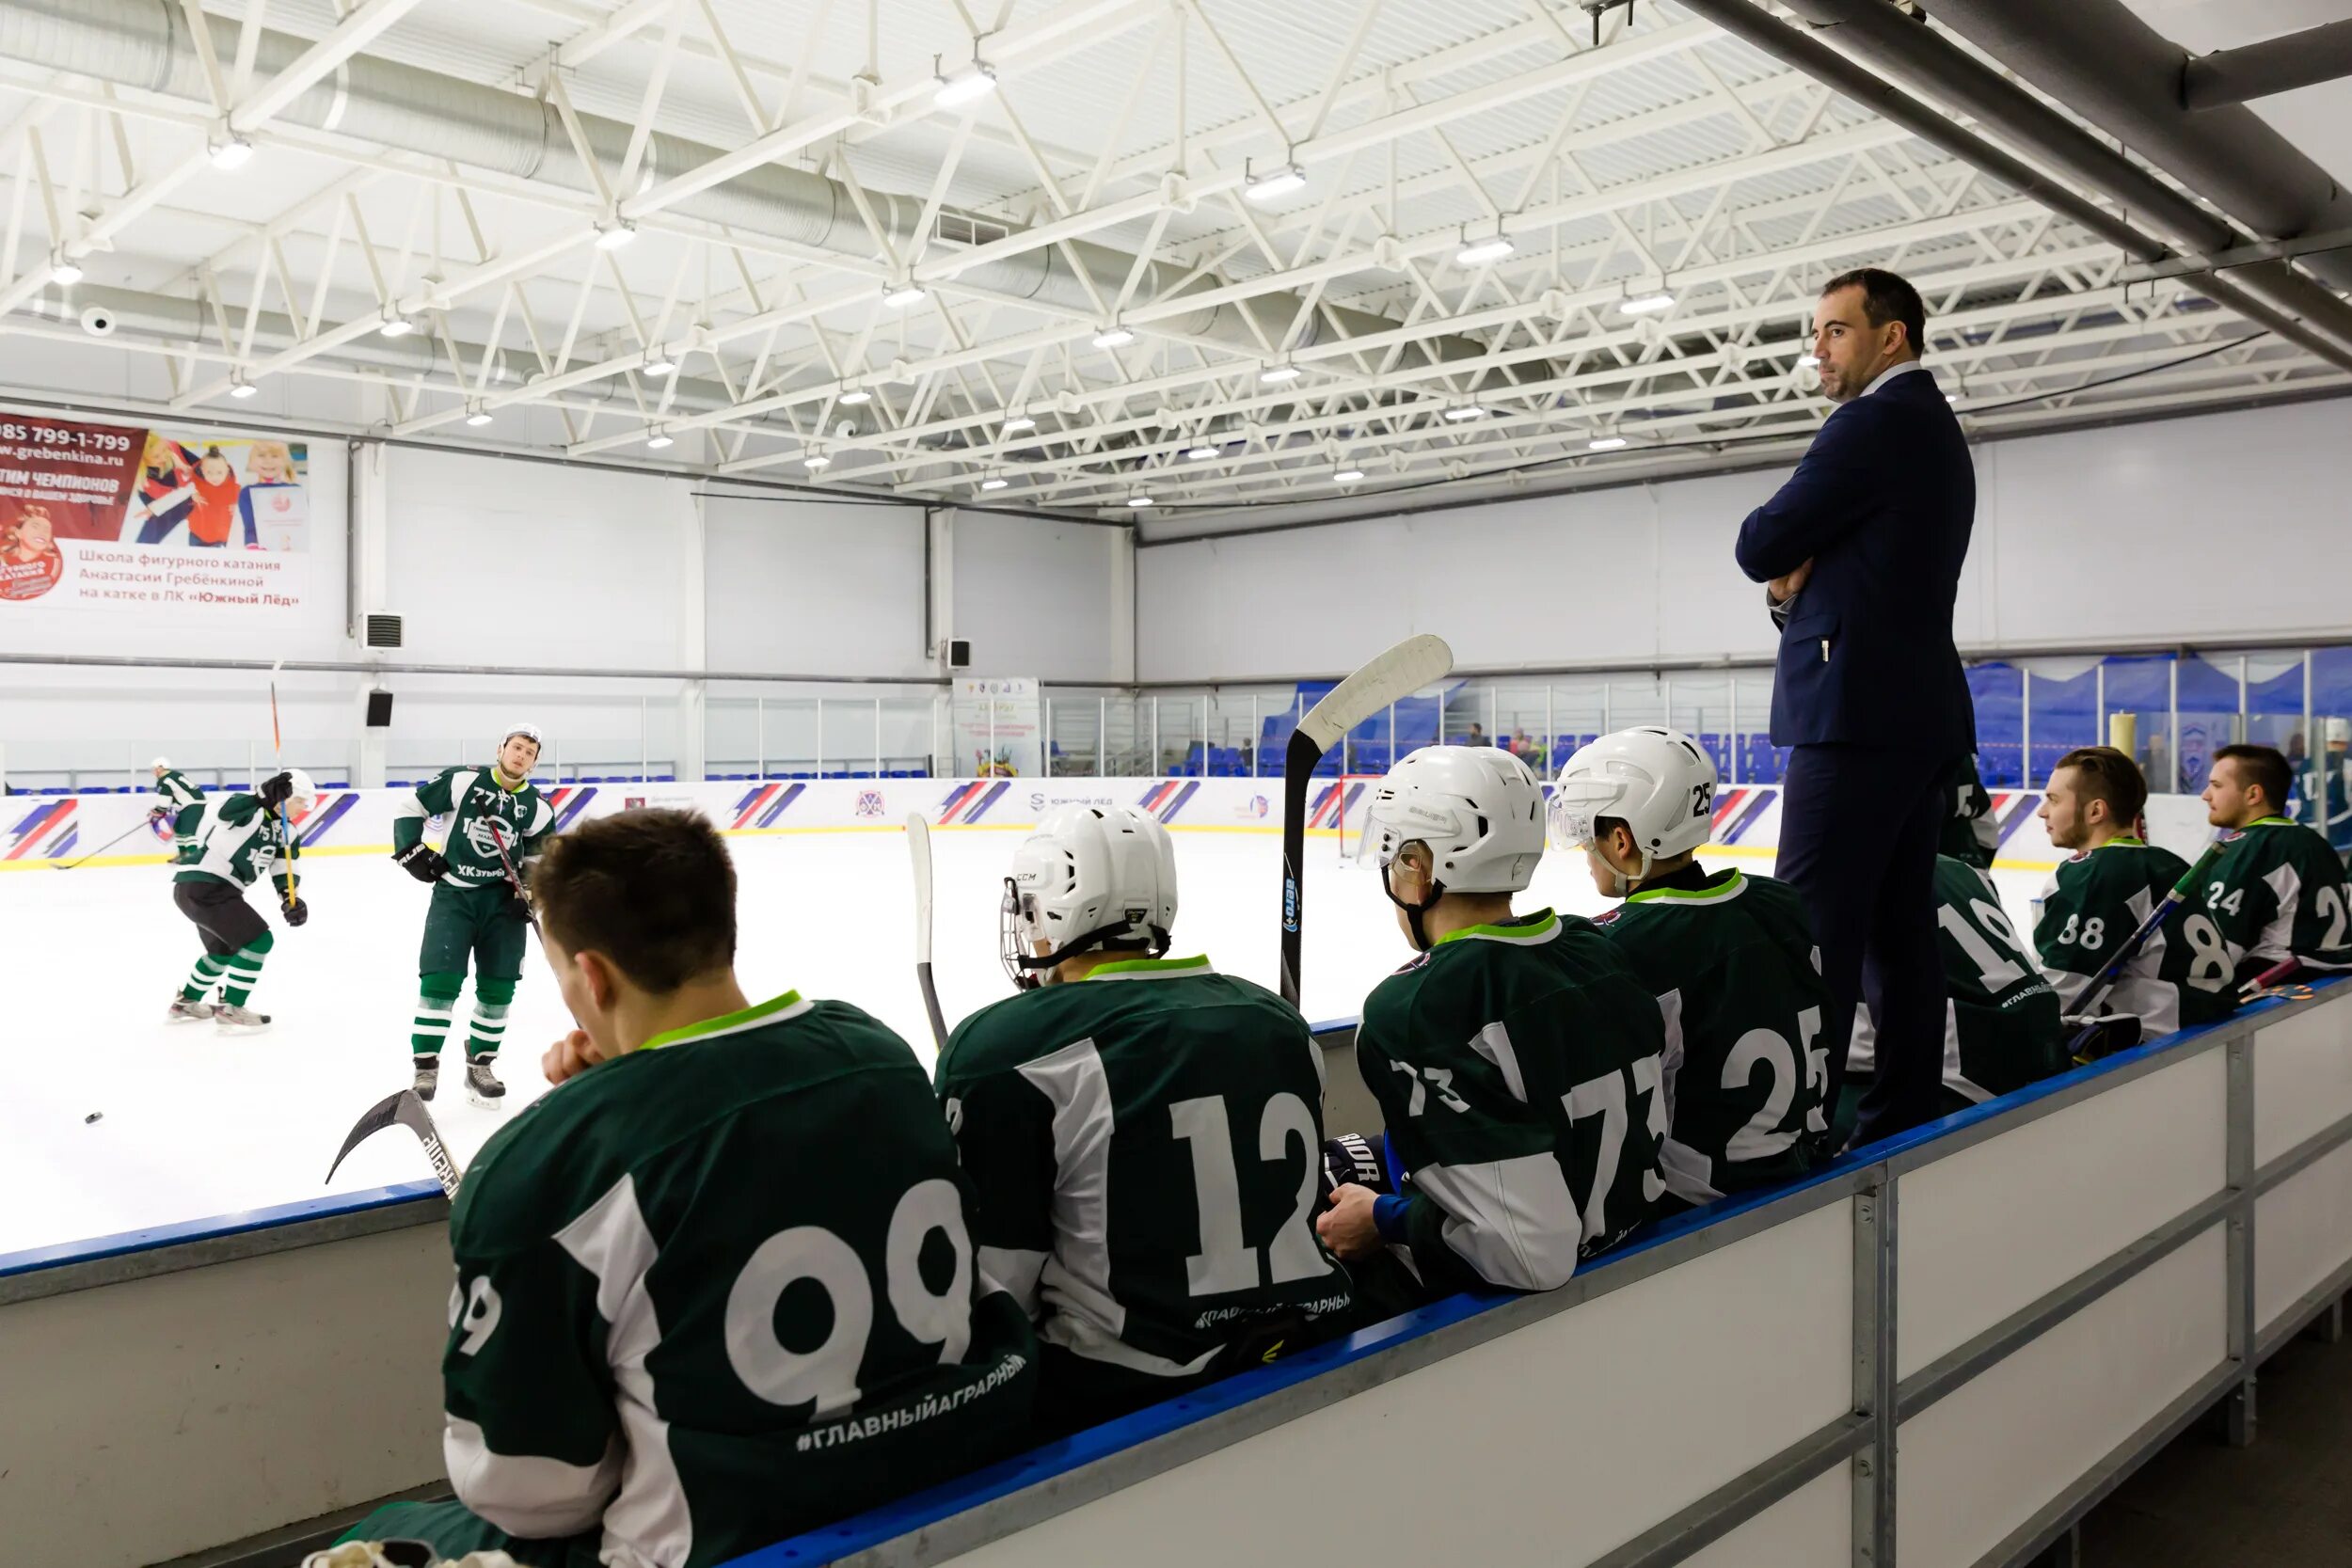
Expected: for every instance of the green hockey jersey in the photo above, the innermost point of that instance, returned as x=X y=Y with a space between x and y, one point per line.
x=2092 y=904
x=1731 y=960
x=232 y=838
x=483 y=813
x=720 y=1290
x=1144 y=1145
x=177 y=795
x=2278 y=891
x=1969 y=833
x=1518 y=1069
x=2002 y=1028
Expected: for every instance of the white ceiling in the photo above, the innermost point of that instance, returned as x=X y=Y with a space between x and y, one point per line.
x=1666 y=158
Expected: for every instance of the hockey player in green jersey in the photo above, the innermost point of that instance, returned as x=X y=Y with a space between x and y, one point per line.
x=1730 y=958
x=719 y=1286
x=2002 y=1028
x=2095 y=901
x=1516 y=1060
x=174 y=794
x=1144 y=1135
x=497 y=822
x=2278 y=890
x=229 y=843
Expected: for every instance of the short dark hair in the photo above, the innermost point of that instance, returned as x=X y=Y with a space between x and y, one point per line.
x=2104 y=773
x=2260 y=765
x=653 y=891
x=1887 y=297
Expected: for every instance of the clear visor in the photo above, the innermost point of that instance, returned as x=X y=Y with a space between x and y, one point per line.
x=1574 y=807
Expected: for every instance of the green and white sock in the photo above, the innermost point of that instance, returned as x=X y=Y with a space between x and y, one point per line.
x=202 y=979
x=243 y=973
x=431 y=1029
x=489 y=1029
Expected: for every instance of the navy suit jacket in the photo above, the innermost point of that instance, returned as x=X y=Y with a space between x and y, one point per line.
x=1881 y=504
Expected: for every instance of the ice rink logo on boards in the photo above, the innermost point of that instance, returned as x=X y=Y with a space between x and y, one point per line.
x=869 y=802
x=1042 y=803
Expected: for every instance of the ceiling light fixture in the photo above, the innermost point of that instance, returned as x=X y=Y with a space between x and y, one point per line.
x=994 y=484
x=230 y=153
x=1645 y=305
x=1605 y=443
x=1468 y=411
x=660 y=363
x=1279 y=372
x=1139 y=500
x=657 y=440
x=396 y=326
x=1113 y=337
x=1202 y=454
x=855 y=396
x=479 y=417
x=242 y=388
x=900 y=295
x=965 y=86
x=1348 y=476
x=613 y=235
x=64 y=271
x=1477 y=253
x=1807 y=361
x=1274 y=185
x=815 y=460
x=1018 y=423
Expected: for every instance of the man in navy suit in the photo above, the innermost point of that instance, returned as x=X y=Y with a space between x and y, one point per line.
x=1860 y=552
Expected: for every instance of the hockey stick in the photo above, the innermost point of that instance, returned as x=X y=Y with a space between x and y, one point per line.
x=919 y=851
x=1398 y=673
x=104 y=847
x=2271 y=981
x=408 y=1111
x=278 y=759
x=2103 y=984
x=513 y=880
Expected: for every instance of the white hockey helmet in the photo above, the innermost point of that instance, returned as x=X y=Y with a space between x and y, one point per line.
x=161 y=765
x=1654 y=780
x=1088 y=877
x=529 y=732
x=1478 y=808
x=304 y=794
x=2339 y=731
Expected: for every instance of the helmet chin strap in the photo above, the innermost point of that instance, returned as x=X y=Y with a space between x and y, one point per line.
x=1036 y=967
x=1416 y=916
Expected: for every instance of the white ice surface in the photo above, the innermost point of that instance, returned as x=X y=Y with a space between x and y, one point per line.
x=195 y=1124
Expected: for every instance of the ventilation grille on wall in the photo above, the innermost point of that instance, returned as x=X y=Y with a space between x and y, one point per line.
x=383 y=631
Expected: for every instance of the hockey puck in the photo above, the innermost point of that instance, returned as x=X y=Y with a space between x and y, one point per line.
x=92 y=1117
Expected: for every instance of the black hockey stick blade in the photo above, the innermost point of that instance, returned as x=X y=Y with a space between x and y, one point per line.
x=919 y=852
x=1415 y=662
x=403 y=1109
x=102 y=848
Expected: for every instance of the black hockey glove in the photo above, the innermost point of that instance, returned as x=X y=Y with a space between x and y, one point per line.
x=276 y=789
x=297 y=912
x=422 y=861
x=1353 y=1159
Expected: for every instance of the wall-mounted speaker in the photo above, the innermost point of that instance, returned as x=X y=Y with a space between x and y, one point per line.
x=379 y=710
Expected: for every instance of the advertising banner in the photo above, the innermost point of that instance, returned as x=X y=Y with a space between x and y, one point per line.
x=123 y=519
x=999 y=727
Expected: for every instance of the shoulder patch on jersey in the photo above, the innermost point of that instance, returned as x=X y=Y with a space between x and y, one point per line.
x=1418 y=961
x=1607 y=917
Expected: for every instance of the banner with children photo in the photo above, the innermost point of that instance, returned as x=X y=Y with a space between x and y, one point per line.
x=100 y=516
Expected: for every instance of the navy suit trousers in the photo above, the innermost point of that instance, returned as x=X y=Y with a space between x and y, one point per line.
x=1858 y=829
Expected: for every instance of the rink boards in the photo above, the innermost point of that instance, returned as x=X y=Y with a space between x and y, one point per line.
x=195 y=1384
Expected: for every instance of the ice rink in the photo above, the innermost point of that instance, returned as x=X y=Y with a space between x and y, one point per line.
x=193 y=1124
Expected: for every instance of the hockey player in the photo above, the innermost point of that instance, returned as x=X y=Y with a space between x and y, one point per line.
x=233 y=842
x=1516 y=1060
x=2334 y=786
x=1729 y=957
x=176 y=793
x=496 y=821
x=2002 y=1028
x=1138 y=1129
x=1969 y=833
x=2278 y=891
x=719 y=1286
x=2095 y=901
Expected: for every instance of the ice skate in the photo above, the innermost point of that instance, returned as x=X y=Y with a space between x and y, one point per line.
x=184 y=1011
x=482 y=1087
x=234 y=1019
x=428 y=1076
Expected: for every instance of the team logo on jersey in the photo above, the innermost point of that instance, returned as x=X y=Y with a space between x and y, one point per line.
x=869 y=802
x=490 y=836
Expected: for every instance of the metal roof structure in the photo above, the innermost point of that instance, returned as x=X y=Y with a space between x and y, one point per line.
x=1200 y=263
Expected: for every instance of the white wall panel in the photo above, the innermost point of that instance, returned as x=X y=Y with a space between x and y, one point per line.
x=2150 y=531
x=1980 y=1461
x=1811 y=1528
x=2072 y=1188
x=1043 y=599
x=816 y=588
x=2303 y=1080
x=2302 y=1234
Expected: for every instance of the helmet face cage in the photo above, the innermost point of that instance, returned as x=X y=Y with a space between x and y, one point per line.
x=1016 y=919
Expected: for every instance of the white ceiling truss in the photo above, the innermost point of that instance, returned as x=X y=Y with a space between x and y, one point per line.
x=1111 y=166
